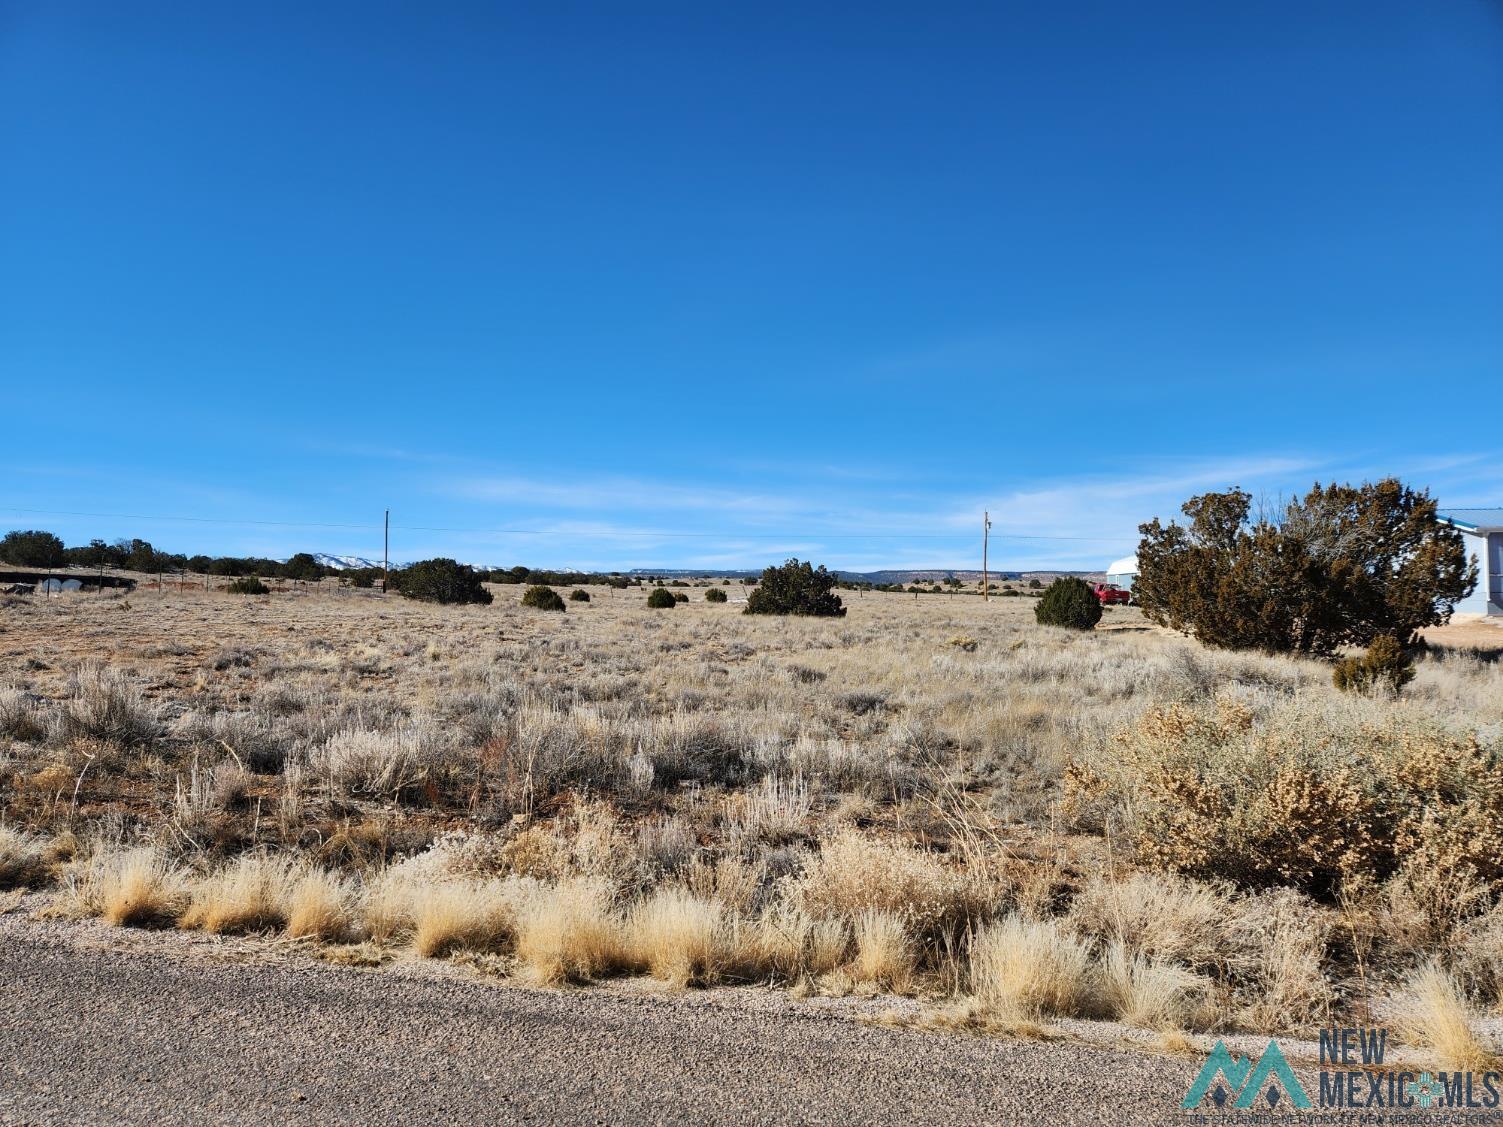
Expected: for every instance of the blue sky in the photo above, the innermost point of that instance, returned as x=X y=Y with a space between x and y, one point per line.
x=705 y=285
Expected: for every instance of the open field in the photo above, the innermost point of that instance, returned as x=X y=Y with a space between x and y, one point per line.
x=932 y=799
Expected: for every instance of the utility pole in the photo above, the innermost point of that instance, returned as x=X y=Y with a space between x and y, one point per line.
x=986 y=586
x=386 y=553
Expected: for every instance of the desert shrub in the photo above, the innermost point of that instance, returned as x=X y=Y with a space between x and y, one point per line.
x=715 y=595
x=579 y=595
x=853 y=874
x=18 y=716
x=795 y=588
x=1341 y=566
x=543 y=598
x=661 y=598
x=371 y=762
x=106 y=705
x=680 y=597
x=1306 y=798
x=24 y=861
x=248 y=585
x=1068 y=602
x=1385 y=665
x=441 y=581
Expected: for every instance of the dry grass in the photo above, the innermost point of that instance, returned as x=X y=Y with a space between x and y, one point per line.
x=1437 y=1016
x=24 y=861
x=707 y=796
x=1030 y=968
x=1151 y=993
x=319 y=906
x=679 y=937
x=569 y=933
x=251 y=894
x=460 y=916
x=138 y=887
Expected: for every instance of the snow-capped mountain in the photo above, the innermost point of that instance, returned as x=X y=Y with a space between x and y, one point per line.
x=340 y=563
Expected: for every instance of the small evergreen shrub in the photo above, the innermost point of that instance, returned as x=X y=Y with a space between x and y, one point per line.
x=680 y=597
x=661 y=597
x=1068 y=602
x=579 y=595
x=441 y=581
x=542 y=598
x=795 y=588
x=248 y=585
x=1385 y=664
x=714 y=595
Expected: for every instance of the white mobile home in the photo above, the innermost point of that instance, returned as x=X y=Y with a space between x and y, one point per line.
x=1483 y=532
x=1123 y=573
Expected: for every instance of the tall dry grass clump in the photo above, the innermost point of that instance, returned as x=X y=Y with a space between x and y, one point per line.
x=139 y=887
x=885 y=956
x=319 y=906
x=460 y=915
x=1150 y=992
x=853 y=874
x=1029 y=968
x=1436 y=1015
x=249 y=894
x=679 y=937
x=569 y=932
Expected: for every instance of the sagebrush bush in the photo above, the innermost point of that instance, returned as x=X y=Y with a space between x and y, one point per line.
x=1305 y=798
x=247 y=585
x=1068 y=602
x=107 y=705
x=1385 y=665
x=715 y=595
x=661 y=598
x=544 y=598
x=579 y=595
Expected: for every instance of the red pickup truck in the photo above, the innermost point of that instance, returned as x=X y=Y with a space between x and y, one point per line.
x=1109 y=595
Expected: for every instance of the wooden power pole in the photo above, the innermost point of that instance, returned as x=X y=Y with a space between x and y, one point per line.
x=386 y=552
x=986 y=586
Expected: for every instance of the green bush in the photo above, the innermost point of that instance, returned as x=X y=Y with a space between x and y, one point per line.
x=795 y=588
x=1339 y=567
x=248 y=585
x=542 y=598
x=660 y=598
x=714 y=595
x=1068 y=602
x=579 y=595
x=441 y=581
x=1384 y=664
x=680 y=597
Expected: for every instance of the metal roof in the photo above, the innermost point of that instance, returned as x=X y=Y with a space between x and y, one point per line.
x=1473 y=520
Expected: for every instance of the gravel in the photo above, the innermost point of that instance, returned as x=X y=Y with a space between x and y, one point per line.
x=90 y=1033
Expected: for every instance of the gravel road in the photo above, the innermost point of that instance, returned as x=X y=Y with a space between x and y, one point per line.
x=101 y=1035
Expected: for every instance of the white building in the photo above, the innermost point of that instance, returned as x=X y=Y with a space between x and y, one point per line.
x=1483 y=531
x=1123 y=573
